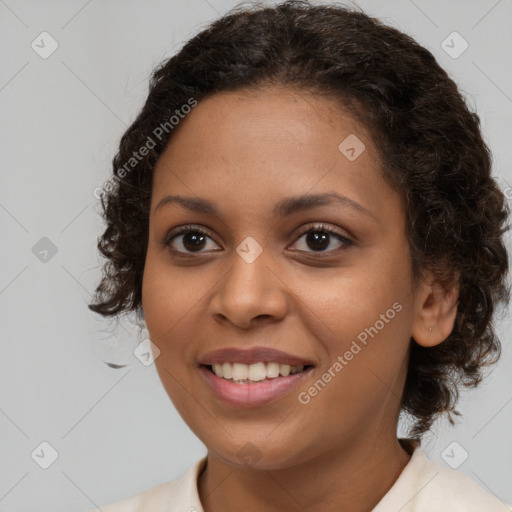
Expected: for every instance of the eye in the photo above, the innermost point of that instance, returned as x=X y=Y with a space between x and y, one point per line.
x=318 y=237
x=193 y=239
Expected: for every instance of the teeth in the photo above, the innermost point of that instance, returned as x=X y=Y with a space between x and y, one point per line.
x=227 y=370
x=272 y=370
x=254 y=372
x=257 y=372
x=285 y=369
x=240 y=372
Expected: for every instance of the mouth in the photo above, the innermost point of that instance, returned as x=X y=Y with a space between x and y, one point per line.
x=256 y=386
x=257 y=372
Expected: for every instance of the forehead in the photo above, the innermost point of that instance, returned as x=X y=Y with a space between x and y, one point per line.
x=252 y=145
x=273 y=119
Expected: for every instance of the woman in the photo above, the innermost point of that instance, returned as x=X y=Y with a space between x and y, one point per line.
x=303 y=215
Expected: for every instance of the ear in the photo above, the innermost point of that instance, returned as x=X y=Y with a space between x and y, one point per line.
x=435 y=312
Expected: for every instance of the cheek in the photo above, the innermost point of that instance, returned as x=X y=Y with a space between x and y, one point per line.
x=366 y=338
x=366 y=316
x=169 y=297
x=355 y=297
x=168 y=300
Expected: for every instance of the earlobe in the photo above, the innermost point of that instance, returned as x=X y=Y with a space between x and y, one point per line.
x=436 y=310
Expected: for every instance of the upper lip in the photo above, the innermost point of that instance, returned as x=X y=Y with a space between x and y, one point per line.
x=252 y=355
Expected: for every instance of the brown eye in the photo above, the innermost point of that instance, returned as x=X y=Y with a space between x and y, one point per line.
x=192 y=240
x=319 y=238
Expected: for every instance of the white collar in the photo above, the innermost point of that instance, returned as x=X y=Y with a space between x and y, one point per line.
x=423 y=486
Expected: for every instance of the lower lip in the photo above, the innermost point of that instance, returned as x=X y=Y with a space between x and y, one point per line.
x=255 y=394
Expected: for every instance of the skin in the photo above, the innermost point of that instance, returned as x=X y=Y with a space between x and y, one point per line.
x=245 y=151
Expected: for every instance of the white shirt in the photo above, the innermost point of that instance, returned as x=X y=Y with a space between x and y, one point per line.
x=423 y=486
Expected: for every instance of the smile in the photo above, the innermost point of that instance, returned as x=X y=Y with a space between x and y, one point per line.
x=255 y=372
x=250 y=385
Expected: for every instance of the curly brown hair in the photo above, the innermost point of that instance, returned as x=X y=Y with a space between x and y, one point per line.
x=433 y=152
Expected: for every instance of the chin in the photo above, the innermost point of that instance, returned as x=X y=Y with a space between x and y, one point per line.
x=260 y=456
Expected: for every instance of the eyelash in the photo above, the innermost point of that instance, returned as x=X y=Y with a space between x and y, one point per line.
x=191 y=228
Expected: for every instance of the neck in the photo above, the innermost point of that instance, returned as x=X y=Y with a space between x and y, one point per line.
x=352 y=476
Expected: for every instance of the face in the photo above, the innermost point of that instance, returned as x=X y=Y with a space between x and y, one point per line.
x=328 y=283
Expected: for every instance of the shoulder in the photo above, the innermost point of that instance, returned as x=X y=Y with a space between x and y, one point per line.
x=151 y=499
x=426 y=486
x=176 y=495
x=457 y=491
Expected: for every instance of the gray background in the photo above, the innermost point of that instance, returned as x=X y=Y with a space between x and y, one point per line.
x=115 y=431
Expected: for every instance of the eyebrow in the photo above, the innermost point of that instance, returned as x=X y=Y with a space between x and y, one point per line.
x=283 y=208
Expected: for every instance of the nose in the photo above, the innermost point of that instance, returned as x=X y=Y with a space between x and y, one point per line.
x=250 y=292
